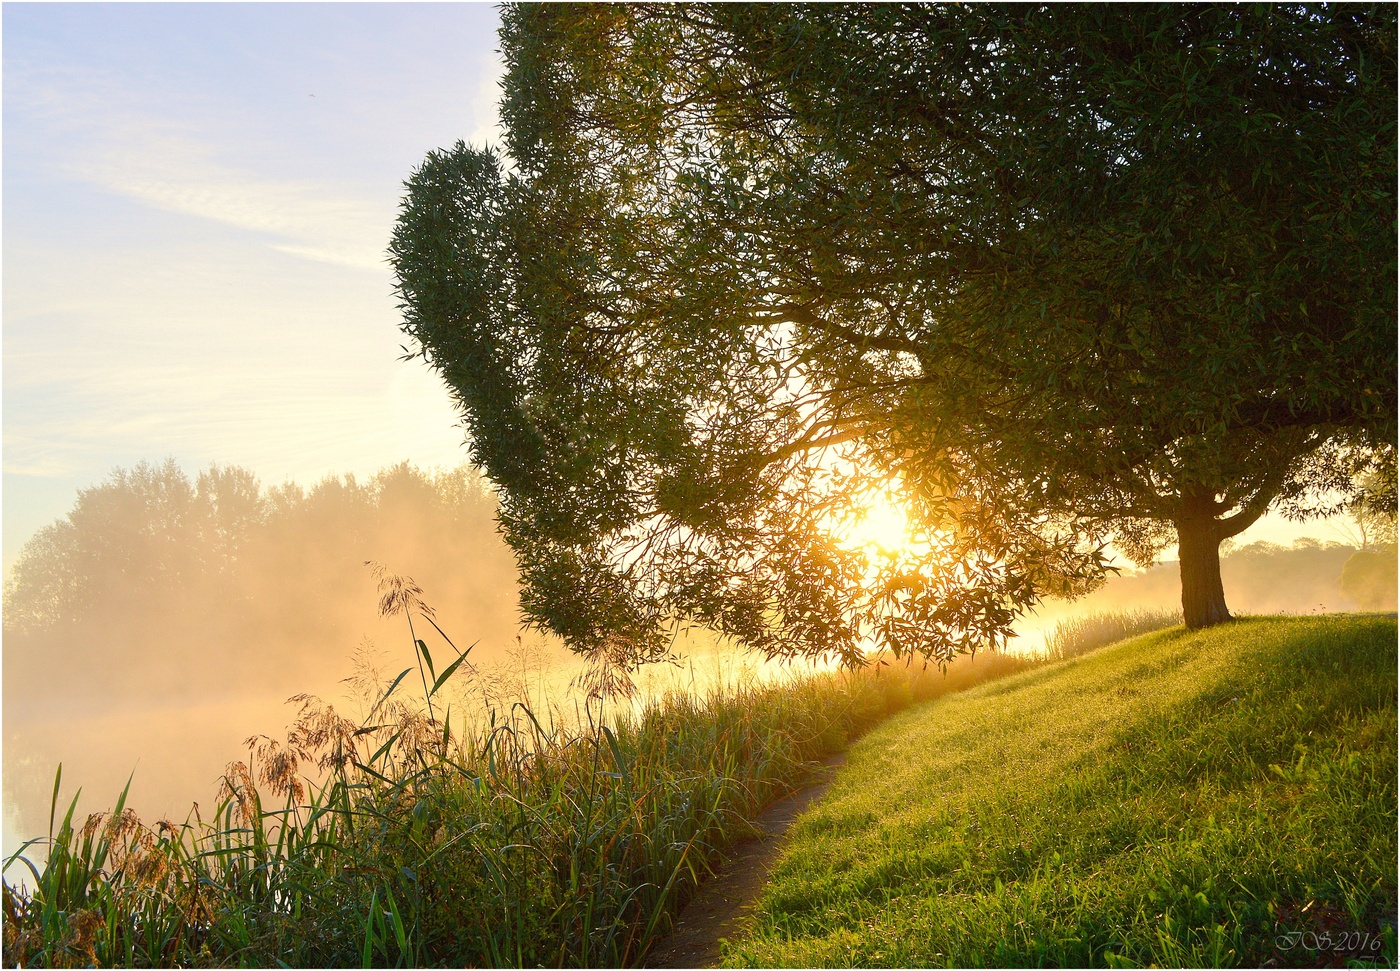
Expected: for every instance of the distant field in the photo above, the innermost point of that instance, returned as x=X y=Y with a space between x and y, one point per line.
x=1226 y=797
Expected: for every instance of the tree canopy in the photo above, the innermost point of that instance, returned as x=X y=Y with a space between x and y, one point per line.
x=1065 y=275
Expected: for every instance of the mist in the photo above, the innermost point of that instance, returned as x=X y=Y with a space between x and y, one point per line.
x=1259 y=578
x=167 y=619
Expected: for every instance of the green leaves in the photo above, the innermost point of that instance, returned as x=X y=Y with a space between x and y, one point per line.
x=448 y=671
x=1067 y=264
x=427 y=658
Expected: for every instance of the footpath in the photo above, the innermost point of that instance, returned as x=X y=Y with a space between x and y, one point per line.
x=720 y=904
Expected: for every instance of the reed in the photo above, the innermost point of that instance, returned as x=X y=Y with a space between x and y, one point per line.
x=395 y=840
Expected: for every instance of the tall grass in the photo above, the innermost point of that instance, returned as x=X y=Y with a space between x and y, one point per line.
x=1079 y=635
x=514 y=842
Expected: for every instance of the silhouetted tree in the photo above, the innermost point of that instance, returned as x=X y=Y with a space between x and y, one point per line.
x=1067 y=273
x=151 y=572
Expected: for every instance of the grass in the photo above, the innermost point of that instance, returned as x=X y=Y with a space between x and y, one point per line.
x=1079 y=635
x=1224 y=797
x=510 y=844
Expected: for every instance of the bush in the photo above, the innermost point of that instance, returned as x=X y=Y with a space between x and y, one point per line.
x=1369 y=578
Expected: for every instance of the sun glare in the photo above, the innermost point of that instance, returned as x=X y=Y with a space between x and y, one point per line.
x=881 y=524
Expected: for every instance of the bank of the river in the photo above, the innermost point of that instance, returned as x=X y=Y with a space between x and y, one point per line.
x=512 y=843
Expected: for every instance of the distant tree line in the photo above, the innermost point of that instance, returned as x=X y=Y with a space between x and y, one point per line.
x=1272 y=578
x=155 y=578
x=155 y=569
x=1369 y=577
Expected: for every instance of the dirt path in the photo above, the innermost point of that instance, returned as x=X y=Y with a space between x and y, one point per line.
x=720 y=904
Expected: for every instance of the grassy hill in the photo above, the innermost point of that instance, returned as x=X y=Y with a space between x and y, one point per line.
x=1226 y=797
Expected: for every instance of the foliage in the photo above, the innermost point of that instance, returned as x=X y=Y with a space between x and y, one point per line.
x=1369 y=577
x=154 y=569
x=1209 y=799
x=1060 y=273
x=527 y=841
x=1374 y=512
x=150 y=533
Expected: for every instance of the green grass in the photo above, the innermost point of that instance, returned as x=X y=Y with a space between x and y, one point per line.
x=1225 y=797
x=1079 y=635
x=518 y=844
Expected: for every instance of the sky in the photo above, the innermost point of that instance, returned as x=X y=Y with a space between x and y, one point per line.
x=197 y=201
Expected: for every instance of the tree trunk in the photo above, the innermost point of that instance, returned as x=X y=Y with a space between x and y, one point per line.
x=1198 y=542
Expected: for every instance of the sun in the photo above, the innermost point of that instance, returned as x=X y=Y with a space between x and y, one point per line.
x=880 y=524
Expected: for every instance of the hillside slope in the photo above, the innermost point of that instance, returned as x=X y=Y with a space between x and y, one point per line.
x=1225 y=797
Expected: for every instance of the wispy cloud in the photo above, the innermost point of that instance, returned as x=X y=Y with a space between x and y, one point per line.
x=178 y=166
x=217 y=354
x=312 y=220
x=198 y=200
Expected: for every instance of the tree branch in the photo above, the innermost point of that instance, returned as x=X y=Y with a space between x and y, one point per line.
x=803 y=314
x=1251 y=511
x=806 y=443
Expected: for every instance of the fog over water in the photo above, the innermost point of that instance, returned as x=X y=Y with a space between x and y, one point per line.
x=165 y=620
x=168 y=618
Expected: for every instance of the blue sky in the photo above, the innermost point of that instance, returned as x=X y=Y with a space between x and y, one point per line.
x=197 y=201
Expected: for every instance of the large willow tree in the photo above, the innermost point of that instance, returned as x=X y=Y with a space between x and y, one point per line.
x=1065 y=275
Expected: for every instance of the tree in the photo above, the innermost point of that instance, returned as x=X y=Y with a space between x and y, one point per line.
x=153 y=567
x=1067 y=275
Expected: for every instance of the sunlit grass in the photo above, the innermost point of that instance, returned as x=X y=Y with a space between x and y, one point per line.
x=1226 y=797
x=529 y=840
x=1079 y=635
